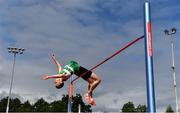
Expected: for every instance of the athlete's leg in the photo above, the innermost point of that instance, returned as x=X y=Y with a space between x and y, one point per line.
x=87 y=95
x=89 y=86
x=94 y=82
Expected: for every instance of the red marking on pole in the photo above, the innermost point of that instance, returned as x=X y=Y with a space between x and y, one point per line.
x=149 y=39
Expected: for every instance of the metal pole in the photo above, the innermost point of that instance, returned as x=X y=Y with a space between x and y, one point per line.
x=167 y=32
x=15 y=51
x=174 y=74
x=79 y=110
x=149 y=60
x=7 y=108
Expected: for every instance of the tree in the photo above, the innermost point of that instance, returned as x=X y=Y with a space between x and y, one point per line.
x=128 y=107
x=169 y=109
x=76 y=100
x=58 y=106
x=41 y=106
x=26 y=107
x=14 y=105
x=3 y=104
x=141 y=108
x=65 y=99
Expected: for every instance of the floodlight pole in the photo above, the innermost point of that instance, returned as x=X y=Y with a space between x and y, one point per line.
x=15 y=51
x=79 y=108
x=170 y=33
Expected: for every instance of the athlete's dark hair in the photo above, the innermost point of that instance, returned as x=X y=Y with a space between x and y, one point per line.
x=60 y=86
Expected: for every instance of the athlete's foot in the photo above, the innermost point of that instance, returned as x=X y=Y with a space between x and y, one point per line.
x=93 y=102
x=89 y=99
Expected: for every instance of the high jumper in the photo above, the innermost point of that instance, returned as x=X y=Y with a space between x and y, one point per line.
x=74 y=68
x=71 y=68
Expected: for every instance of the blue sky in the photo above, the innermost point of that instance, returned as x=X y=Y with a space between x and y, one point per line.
x=88 y=31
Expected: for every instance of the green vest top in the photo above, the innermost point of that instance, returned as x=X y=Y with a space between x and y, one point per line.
x=70 y=68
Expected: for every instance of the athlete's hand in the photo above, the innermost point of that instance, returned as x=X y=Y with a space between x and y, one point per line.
x=45 y=77
x=53 y=56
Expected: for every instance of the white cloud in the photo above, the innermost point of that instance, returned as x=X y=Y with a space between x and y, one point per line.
x=83 y=30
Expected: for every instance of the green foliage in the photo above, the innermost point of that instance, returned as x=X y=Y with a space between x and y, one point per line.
x=169 y=109
x=15 y=104
x=78 y=100
x=3 y=104
x=25 y=107
x=58 y=106
x=141 y=108
x=43 y=106
x=129 y=107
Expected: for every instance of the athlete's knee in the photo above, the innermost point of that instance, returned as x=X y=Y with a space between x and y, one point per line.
x=96 y=78
x=99 y=81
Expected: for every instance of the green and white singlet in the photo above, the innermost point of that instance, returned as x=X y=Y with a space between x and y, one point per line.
x=70 y=68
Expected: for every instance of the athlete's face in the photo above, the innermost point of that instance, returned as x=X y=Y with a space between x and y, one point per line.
x=58 y=81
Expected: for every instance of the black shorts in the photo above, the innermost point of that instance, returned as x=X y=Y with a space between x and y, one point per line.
x=83 y=70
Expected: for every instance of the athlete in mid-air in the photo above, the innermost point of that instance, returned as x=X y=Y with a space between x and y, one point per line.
x=74 y=68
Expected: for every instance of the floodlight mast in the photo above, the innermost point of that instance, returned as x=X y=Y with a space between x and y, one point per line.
x=170 y=33
x=15 y=51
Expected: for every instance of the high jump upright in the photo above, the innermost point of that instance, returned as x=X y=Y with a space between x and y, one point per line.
x=149 y=59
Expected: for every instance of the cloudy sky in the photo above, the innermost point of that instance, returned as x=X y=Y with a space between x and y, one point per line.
x=88 y=31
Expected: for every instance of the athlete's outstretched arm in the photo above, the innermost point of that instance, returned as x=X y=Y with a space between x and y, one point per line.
x=51 y=76
x=64 y=76
x=58 y=65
